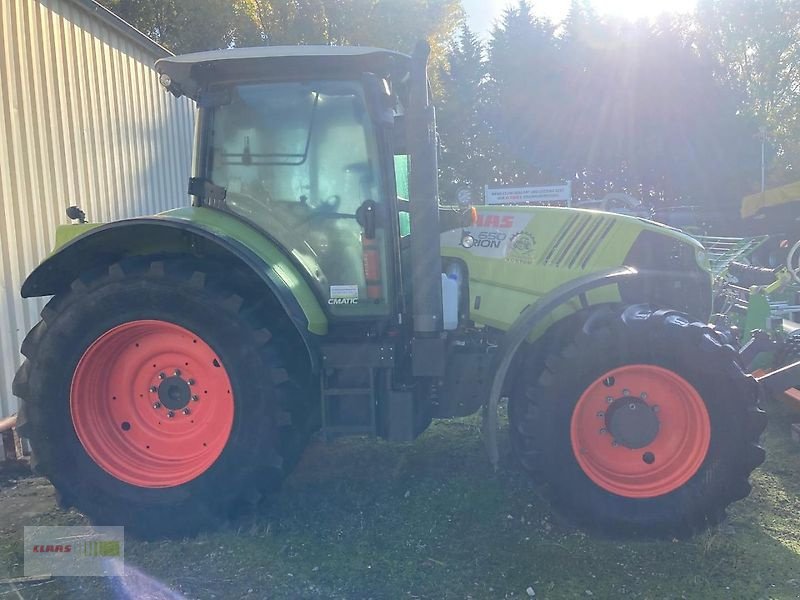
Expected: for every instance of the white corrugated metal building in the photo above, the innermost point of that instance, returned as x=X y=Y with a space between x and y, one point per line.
x=83 y=121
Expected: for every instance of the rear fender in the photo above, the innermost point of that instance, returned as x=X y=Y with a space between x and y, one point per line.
x=191 y=232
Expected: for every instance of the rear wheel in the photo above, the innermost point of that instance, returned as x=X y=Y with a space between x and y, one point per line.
x=153 y=395
x=642 y=422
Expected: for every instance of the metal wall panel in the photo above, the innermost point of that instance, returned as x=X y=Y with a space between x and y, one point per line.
x=83 y=121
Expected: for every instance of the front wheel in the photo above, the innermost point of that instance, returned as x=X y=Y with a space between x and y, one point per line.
x=643 y=422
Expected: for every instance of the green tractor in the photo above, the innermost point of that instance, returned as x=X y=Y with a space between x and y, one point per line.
x=315 y=283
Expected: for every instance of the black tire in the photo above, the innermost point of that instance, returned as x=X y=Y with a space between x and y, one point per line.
x=544 y=397
x=205 y=300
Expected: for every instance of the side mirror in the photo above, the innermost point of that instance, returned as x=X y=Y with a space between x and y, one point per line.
x=74 y=213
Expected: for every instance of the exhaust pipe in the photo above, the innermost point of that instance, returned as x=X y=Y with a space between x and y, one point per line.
x=428 y=344
x=426 y=262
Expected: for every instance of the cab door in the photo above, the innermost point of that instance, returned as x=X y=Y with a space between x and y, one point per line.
x=301 y=161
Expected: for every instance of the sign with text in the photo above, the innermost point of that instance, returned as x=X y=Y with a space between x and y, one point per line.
x=550 y=194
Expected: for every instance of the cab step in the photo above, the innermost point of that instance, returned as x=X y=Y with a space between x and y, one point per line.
x=354 y=375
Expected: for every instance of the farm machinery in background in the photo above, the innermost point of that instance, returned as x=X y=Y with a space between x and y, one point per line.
x=760 y=305
x=693 y=219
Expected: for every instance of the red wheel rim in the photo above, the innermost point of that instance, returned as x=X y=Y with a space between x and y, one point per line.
x=152 y=404
x=640 y=454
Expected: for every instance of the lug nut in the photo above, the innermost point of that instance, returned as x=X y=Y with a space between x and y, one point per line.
x=177 y=373
x=186 y=411
x=153 y=389
x=602 y=431
x=170 y=414
x=156 y=405
x=162 y=376
x=626 y=392
x=643 y=395
x=600 y=413
x=609 y=399
x=195 y=397
x=632 y=406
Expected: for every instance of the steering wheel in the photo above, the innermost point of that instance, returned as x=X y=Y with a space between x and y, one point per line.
x=328 y=209
x=793 y=261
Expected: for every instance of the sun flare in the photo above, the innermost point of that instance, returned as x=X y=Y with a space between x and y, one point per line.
x=482 y=14
x=634 y=10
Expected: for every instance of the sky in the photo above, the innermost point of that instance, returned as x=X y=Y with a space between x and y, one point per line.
x=481 y=14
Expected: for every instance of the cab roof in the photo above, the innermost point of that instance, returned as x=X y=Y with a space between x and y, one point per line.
x=190 y=74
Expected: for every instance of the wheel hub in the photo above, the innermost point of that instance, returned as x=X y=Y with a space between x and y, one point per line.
x=634 y=447
x=174 y=393
x=130 y=397
x=632 y=422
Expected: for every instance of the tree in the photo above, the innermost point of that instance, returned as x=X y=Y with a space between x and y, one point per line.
x=613 y=106
x=181 y=25
x=461 y=107
x=192 y=25
x=580 y=25
x=294 y=22
x=524 y=71
x=757 y=44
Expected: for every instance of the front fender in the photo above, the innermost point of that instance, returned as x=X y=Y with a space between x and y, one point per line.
x=185 y=231
x=527 y=322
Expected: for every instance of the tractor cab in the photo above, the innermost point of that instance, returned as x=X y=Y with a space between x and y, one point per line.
x=300 y=143
x=312 y=147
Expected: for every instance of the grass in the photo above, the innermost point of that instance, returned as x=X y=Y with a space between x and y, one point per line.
x=369 y=519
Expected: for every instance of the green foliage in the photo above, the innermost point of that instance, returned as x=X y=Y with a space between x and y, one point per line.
x=606 y=105
x=524 y=74
x=668 y=112
x=181 y=25
x=757 y=44
x=193 y=25
x=465 y=155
